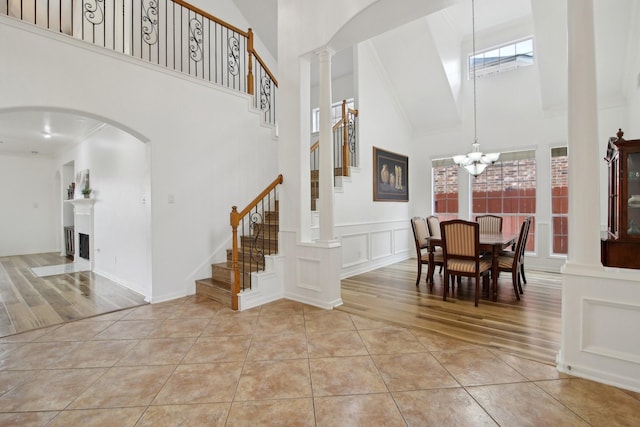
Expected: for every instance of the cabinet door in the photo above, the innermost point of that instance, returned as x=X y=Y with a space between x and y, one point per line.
x=632 y=202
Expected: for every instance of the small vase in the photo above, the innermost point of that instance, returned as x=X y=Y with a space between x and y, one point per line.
x=384 y=174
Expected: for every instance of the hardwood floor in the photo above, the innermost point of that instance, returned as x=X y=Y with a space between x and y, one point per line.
x=30 y=302
x=528 y=328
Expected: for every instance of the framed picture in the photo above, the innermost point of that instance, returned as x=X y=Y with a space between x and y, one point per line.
x=82 y=179
x=390 y=176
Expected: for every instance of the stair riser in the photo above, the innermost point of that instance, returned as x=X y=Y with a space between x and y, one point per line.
x=215 y=293
x=248 y=265
x=267 y=230
x=225 y=275
x=243 y=253
x=249 y=242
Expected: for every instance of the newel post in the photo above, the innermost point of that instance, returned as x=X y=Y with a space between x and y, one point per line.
x=250 y=89
x=345 y=139
x=235 y=287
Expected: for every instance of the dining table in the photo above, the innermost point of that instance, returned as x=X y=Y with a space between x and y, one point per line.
x=489 y=242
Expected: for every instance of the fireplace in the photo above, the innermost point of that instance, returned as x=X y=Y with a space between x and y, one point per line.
x=84 y=245
x=84 y=237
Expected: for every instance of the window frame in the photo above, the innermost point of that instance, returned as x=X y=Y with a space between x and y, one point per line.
x=336 y=114
x=502 y=61
x=552 y=214
x=450 y=167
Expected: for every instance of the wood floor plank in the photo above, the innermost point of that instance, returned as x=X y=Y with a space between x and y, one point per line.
x=31 y=302
x=529 y=327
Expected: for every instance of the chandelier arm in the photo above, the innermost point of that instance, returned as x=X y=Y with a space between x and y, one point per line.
x=475 y=162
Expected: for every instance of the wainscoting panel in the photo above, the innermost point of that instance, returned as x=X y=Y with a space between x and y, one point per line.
x=381 y=244
x=308 y=273
x=355 y=249
x=601 y=331
x=367 y=246
x=400 y=238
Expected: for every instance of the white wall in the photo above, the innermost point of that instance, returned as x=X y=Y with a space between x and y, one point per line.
x=119 y=179
x=374 y=233
x=206 y=153
x=29 y=205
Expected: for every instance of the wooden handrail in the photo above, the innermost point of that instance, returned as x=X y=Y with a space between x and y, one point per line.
x=234 y=218
x=248 y=34
x=269 y=73
x=317 y=143
x=211 y=17
x=260 y=196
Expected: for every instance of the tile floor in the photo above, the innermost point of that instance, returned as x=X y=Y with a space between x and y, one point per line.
x=194 y=362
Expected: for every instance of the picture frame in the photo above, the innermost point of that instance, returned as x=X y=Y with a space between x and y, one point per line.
x=390 y=176
x=82 y=180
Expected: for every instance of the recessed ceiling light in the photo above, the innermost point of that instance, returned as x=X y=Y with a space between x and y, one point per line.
x=47 y=135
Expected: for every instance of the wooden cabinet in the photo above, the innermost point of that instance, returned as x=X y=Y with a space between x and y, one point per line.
x=621 y=247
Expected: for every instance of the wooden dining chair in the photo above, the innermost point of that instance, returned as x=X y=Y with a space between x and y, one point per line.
x=522 y=279
x=434 y=226
x=461 y=253
x=512 y=261
x=489 y=223
x=433 y=223
x=421 y=237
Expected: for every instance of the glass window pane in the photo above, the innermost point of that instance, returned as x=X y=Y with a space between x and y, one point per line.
x=507 y=51
x=524 y=47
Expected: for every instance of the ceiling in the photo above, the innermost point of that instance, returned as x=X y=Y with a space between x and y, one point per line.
x=427 y=38
x=43 y=133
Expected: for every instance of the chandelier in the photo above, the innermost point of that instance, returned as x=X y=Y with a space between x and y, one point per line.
x=475 y=162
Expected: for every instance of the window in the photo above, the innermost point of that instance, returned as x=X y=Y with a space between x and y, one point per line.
x=445 y=189
x=507 y=57
x=336 y=114
x=560 y=199
x=508 y=189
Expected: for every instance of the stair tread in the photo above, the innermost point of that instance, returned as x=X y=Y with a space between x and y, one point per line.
x=212 y=282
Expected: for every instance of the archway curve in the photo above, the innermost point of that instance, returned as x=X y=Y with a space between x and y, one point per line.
x=381 y=16
x=78 y=113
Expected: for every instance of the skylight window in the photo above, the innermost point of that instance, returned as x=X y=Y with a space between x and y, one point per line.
x=503 y=58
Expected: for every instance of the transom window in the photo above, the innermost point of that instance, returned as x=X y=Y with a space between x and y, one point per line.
x=503 y=58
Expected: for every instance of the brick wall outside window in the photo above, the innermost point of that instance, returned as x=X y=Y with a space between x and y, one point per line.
x=507 y=189
x=445 y=192
x=559 y=200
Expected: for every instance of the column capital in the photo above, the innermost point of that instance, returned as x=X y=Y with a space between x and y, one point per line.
x=324 y=52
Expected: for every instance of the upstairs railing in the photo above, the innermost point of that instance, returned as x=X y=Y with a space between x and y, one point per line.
x=345 y=149
x=170 y=33
x=254 y=235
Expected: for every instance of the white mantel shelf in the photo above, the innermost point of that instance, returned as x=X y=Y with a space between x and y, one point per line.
x=81 y=202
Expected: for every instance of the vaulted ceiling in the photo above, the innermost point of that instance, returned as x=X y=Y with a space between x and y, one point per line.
x=422 y=61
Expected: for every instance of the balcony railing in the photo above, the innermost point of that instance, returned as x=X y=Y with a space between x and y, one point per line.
x=345 y=150
x=169 y=33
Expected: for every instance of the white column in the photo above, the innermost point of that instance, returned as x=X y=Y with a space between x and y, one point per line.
x=584 y=176
x=326 y=147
